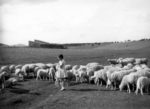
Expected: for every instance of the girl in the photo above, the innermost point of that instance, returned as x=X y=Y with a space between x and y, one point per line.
x=61 y=72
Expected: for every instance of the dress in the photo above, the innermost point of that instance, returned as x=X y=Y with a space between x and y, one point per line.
x=61 y=73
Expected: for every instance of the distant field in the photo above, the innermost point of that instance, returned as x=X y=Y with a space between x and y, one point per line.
x=32 y=94
x=75 y=56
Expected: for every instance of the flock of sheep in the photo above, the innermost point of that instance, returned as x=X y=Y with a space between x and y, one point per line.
x=122 y=73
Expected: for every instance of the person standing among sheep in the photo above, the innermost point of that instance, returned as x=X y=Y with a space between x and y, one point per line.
x=61 y=72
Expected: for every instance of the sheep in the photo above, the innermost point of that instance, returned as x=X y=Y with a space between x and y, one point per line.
x=11 y=81
x=20 y=74
x=127 y=60
x=12 y=68
x=142 y=82
x=36 y=70
x=68 y=67
x=137 y=67
x=75 y=69
x=41 y=65
x=70 y=76
x=99 y=75
x=117 y=76
x=5 y=68
x=129 y=79
x=2 y=79
x=49 y=65
x=25 y=69
x=51 y=73
x=141 y=61
x=18 y=66
x=109 y=72
x=94 y=66
x=113 y=61
x=82 y=75
x=42 y=72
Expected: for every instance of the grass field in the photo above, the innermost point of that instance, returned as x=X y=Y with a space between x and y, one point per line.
x=32 y=94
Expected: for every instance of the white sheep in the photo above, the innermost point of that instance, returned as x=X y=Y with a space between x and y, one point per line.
x=25 y=69
x=18 y=66
x=41 y=65
x=68 y=67
x=141 y=61
x=100 y=75
x=12 y=68
x=129 y=79
x=117 y=76
x=20 y=74
x=75 y=69
x=2 y=79
x=82 y=75
x=5 y=68
x=109 y=72
x=43 y=73
x=142 y=82
x=51 y=73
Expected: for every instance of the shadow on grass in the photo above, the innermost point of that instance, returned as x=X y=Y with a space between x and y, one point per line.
x=84 y=90
x=73 y=83
x=19 y=90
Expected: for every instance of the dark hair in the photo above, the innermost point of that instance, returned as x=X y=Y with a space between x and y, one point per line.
x=61 y=56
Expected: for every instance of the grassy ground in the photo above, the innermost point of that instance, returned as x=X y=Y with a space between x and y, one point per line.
x=32 y=94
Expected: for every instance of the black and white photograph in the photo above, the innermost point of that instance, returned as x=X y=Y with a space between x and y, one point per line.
x=74 y=54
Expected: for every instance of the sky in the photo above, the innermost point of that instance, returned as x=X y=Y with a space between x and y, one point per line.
x=73 y=21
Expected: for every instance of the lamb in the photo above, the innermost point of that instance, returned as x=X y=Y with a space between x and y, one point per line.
x=142 y=82
x=129 y=79
x=42 y=72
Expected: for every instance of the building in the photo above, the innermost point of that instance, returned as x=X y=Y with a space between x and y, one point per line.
x=42 y=44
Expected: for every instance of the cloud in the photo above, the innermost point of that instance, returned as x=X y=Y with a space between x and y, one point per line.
x=2 y=2
x=67 y=21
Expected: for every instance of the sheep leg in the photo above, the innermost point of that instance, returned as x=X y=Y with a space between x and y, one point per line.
x=97 y=82
x=137 y=89
x=141 y=89
x=147 y=89
x=37 y=78
x=101 y=84
x=133 y=87
x=128 y=88
x=115 y=85
x=3 y=85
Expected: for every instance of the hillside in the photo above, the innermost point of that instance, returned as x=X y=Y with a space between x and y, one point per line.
x=126 y=45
